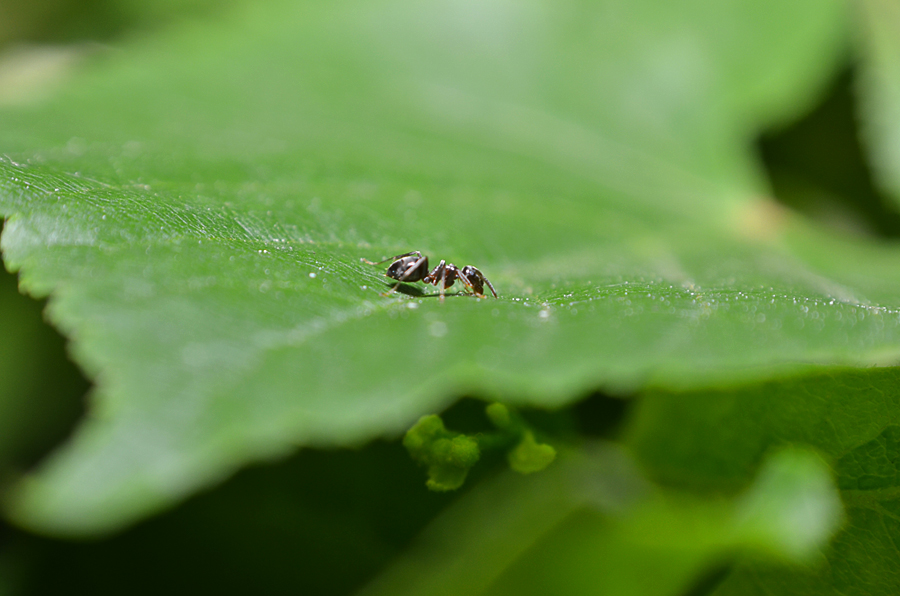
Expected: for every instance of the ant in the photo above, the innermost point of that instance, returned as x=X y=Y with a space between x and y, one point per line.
x=412 y=266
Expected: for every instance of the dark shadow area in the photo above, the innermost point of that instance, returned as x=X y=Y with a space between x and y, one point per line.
x=62 y=21
x=596 y=416
x=467 y=415
x=418 y=292
x=42 y=397
x=57 y=22
x=710 y=580
x=818 y=166
x=601 y=416
x=320 y=522
x=406 y=290
x=42 y=393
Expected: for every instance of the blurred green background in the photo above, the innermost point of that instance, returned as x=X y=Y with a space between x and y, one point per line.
x=268 y=529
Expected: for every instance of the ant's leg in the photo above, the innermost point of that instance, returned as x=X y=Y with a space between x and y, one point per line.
x=408 y=254
x=451 y=274
x=494 y=292
x=476 y=280
x=438 y=278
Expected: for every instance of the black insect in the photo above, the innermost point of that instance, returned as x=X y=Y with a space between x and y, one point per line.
x=412 y=266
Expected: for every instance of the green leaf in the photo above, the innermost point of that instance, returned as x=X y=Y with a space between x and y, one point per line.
x=592 y=524
x=197 y=204
x=879 y=37
x=713 y=440
x=448 y=455
x=529 y=456
x=792 y=506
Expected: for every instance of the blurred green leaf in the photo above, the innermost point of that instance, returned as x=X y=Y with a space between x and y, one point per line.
x=197 y=203
x=713 y=440
x=878 y=32
x=591 y=524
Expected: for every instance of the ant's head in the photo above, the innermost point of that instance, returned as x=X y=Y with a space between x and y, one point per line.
x=476 y=280
x=474 y=275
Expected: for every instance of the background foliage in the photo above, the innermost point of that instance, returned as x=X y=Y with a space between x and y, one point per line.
x=191 y=187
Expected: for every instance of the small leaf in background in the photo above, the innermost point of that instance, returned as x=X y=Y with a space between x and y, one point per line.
x=448 y=456
x=591 y=524
x=793 y=505
x=879 y=86
x=529 y=456
x=713 y=440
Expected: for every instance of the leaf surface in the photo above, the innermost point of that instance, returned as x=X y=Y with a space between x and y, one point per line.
x=197 y=204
